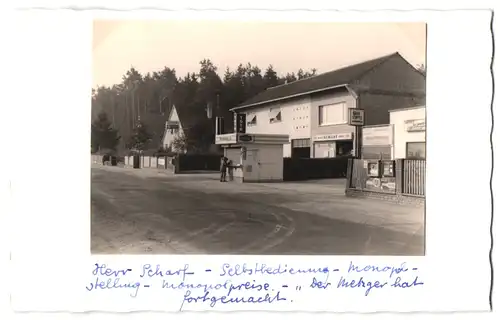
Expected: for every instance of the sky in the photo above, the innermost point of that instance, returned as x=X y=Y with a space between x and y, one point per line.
x=150 y=45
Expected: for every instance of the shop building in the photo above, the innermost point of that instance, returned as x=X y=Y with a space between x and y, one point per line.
x=409 y=132
x=314 y=112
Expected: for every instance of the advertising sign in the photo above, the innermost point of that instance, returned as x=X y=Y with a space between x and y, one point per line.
x=373 y=168
x=384 y=185
x=225 y=138
x=219 y=125
x=377 y=136
x=388 y=168
x=356 y=117
x=245 y=138
x=336 y=136
x=416 y=125
x=240 y=122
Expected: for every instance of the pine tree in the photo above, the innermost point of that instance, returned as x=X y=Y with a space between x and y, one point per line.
x=103 y=136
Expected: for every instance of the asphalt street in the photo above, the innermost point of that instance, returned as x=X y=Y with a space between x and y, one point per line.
x=151 y=212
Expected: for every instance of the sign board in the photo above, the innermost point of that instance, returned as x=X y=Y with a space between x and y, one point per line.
x=245 y=138
x=225 y=138
x=377 y=136
x=383 y=185
x=219 y=125
x=336 y=136
x=161 y=161
x=356 y=117
x=240 y=123
x=416 y=125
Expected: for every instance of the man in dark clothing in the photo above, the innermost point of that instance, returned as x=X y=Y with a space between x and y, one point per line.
x=223 y=169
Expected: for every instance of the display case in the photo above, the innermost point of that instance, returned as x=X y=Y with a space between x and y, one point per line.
x=388 y=168
x=373 y=169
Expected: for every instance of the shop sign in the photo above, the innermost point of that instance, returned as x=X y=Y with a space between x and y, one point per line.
x=240 y=121
x=225 y=138
x=417 y=125
x=330 y=137
x=161 y=161
x=245 y=138
x=377 y=136
x=356 y=117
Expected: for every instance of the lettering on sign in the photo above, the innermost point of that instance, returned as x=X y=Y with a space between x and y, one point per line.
x=417 y=125
x=356 y=117
x=241 y=121
x=161 y=161
x=337 y=136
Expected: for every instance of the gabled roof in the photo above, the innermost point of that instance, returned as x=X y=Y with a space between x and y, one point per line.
x=325 y=81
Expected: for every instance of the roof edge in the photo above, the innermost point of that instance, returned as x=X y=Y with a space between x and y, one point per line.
x=409 y=108
x=384 y=58
x=288 y=97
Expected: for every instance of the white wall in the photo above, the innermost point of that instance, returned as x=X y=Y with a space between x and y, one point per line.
x=169 y=137
x=401 y=136
x=266 y=162
x=295 y=120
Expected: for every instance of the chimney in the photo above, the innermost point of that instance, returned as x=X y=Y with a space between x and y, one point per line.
x=209 y=110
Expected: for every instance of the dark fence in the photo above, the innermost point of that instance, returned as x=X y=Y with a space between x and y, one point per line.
x=314 y=168
x=191 y=162
x=402 y=176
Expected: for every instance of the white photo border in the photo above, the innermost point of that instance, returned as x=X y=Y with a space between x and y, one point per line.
x=50 y=197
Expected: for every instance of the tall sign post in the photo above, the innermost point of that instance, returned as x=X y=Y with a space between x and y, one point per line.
x=357 y=119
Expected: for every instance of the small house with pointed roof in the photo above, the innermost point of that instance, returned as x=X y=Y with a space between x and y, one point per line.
x=314 y=111
x=179 y=121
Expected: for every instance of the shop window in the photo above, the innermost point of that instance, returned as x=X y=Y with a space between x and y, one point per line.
x=415 y=150
x=332 y=114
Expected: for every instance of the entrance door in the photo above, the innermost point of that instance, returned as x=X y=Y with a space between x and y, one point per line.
x=251 y=166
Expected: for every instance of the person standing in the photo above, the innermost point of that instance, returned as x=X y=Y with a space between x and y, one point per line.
x=223 y=168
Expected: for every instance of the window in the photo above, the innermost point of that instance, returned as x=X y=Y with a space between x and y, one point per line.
x=301 y=143
x=252 y=120
x=274 y=115
x=415 y=150
x=332 y=114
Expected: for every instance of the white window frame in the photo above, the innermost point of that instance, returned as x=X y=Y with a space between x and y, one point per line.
x=333 y=105
x=275 y=115
x=254 y=120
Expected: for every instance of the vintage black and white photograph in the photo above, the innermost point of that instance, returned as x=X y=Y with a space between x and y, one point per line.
x=262 y=138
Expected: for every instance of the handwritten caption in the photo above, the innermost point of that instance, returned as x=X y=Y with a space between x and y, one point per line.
x=251 y=283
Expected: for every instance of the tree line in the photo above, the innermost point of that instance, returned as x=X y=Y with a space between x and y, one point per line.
x=131 y=115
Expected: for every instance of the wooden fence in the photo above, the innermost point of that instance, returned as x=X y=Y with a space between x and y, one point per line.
x=413 y=182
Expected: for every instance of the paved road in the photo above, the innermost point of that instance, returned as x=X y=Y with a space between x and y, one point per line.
x=146 y=211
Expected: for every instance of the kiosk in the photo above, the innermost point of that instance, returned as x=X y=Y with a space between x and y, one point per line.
x=255 y=157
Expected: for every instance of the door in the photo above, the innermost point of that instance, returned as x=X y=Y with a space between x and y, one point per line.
x=251 y=167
